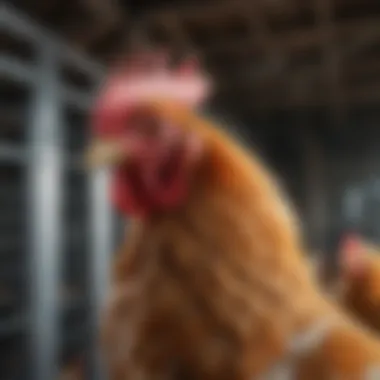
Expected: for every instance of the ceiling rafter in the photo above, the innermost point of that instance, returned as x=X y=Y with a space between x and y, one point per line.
x=274 y=56
x=296 y=53
x=301 y=38
x=359 y=95
x=331 y=59
x=312 y=71
x=176 y=32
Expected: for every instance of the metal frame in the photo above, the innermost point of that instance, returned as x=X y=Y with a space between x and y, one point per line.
x=46 y=161
x=45 y=225
x=102 y=228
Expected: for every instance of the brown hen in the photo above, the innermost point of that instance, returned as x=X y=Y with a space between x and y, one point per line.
x=211 y=282
x=360 y=275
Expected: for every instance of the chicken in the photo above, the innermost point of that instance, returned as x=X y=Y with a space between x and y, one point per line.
x=316 y=264
x=360 y=275
x=211 y=282
x=356 y=282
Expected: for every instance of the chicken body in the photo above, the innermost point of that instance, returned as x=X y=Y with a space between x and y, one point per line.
x=218 y=288
x=360 y=294
x=356 y=286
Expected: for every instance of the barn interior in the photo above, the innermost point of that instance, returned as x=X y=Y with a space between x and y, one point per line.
x=299 y=79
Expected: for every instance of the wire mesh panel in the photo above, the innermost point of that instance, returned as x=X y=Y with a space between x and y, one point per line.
x=74 y=312
x=56 y=230
x=13 y=311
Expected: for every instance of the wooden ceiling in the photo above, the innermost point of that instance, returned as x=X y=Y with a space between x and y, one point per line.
x=264 y=54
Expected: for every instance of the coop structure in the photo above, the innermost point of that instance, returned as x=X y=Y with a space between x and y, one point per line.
x=56 y=225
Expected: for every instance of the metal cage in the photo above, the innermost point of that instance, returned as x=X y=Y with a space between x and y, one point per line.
x=56 y=226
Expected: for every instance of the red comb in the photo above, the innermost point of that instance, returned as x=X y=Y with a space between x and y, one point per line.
x=352 y=255
x=148 y=76
x=351 y=243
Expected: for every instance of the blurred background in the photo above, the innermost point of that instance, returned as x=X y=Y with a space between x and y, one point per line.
x=298 y=79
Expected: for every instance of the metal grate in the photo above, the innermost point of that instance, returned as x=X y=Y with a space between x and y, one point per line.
x=56 y=227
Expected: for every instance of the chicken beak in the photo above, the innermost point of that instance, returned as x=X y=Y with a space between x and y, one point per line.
x=104 y=154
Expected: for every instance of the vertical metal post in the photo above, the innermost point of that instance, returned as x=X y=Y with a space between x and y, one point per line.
x=45 y=225
x=353 y=203
x=101 y=240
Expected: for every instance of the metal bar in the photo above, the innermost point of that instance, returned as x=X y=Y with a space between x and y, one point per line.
x=76 y=98
x=45 y=227
x=16 y=70
x=21 y=72
x=9 y=153
x=15 y=154
x=46 y=160
x=22 y=26
x=101 y=240
x=96 y=71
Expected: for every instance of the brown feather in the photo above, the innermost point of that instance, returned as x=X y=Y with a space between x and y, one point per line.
x=361 y=295
x=216 y=288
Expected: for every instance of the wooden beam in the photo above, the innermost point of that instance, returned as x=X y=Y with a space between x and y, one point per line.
x=301 y=39
x=273 y=55
x=362 y=32
x=273 y=51
x=212 y=14
x=306 y=74
x=331 y=59
x=202 y=12
x=356 y=96
x=177 y=34
x=102 y=18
